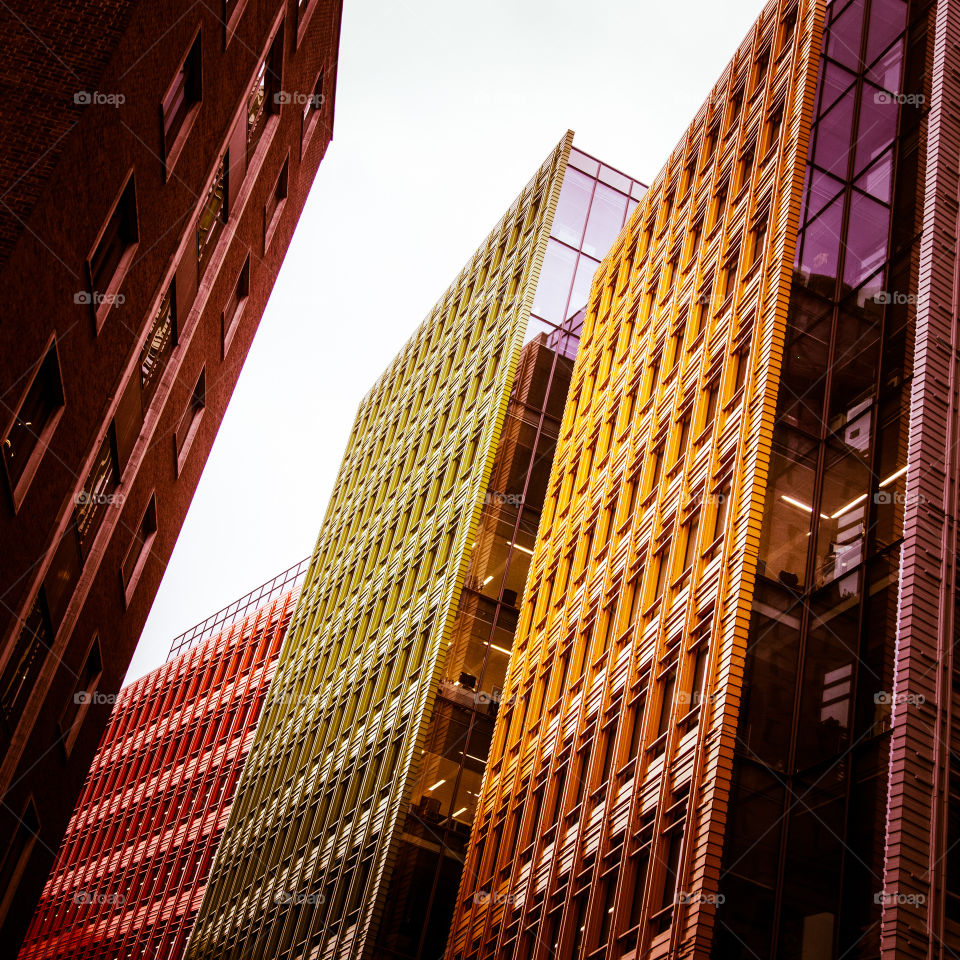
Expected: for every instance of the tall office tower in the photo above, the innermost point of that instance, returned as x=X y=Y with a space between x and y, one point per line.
x=353 y=810
x=132 y=867
x=153 y=164
x=721 y=736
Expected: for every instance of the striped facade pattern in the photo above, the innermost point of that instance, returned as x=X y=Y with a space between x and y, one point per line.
x=600 y=826
x=133 y=866
x=926 y=700
x=312 y=837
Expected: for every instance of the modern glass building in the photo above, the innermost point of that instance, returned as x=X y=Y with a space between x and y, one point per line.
x=351 y=819
x=133 y=865
x=727 y=725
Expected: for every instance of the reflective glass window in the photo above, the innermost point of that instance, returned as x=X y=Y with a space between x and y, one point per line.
x=843 y=41
x=553 y=288
x=866 y=247
x=821 y=246
x=887 y=20
x=606 y=219
x=571 y=215
x=833 y=136
x=877 y=125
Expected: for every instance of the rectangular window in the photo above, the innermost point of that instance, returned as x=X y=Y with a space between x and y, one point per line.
x=213 y=216
x=672 y=845
x=235 y=305
x=710 y=407
x=774 y=126
x=666 y=703
x=729 y=279
x=758 y=239
x=190 y=418
x=139 y=549
x=113 y=252
x=72 y=717
x=159 y=345
x=690 y=547
x=96 y=495
x=30 y=431
x=266 y=95
x=22 y=669
x=311 y=109
x=183 y=95
x=275 y=204
x=722 y=497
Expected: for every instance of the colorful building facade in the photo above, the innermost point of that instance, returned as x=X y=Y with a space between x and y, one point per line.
x=337 y=845
x=131 y=871
x=727 y=722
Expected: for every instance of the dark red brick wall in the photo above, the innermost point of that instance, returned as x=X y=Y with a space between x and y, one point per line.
x=51 y=50
x=46 y=267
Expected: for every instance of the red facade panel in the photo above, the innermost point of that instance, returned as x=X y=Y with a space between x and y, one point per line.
x=133 y=865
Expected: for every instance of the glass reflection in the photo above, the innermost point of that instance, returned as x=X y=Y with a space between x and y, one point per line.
x=866 y=239
x=877 y=180
x=553 y=288
x=833 y=136
x=843 y=509
x=887 y=20
x=606 y=219
x=821 y=244
x=785 y=535
x=843 y=37
x=877 y=125
x=571 y=215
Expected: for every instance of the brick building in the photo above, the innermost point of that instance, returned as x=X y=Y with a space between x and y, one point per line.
x=155 y=160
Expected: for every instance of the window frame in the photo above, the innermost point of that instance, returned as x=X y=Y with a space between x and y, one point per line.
x=175 y=134
x=17 y=487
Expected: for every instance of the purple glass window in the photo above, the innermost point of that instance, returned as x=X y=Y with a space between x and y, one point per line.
x=886 y=71
x=553 y=287
x=821 y=189
x=878 y=125
x=586 y=268
x=887 y=20
x=843 y=44
x=877 y=179
x=833 y=137
x=866 y=239
x=834 y=81
x=584 y=163
x=571 y=216
x=606 y=219
x=821 y=242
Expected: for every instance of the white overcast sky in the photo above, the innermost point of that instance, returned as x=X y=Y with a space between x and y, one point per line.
x=443 y=112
